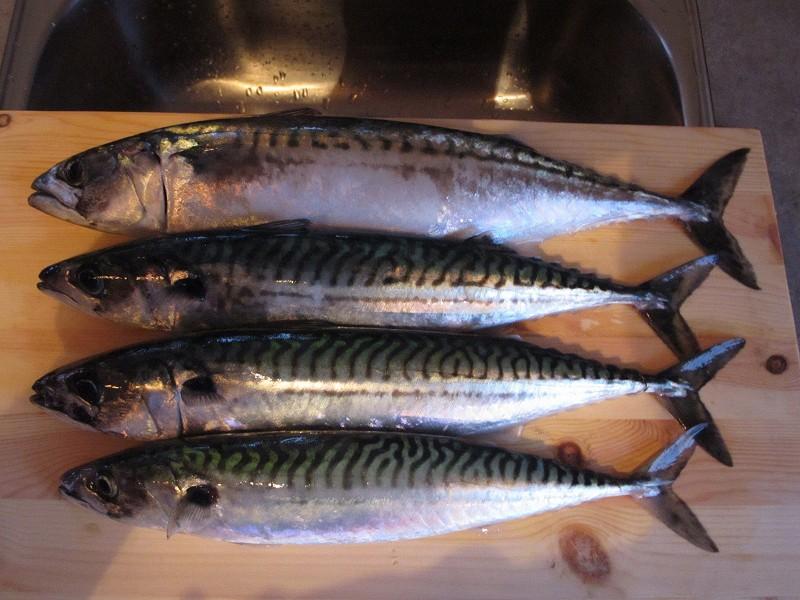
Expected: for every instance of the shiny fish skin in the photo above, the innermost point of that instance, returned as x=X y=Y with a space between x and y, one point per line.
x=337 y=378
x=311 y=488
x=363 y=174
x=283 y=271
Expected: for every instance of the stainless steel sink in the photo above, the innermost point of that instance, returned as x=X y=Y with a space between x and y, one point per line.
x=580 y=60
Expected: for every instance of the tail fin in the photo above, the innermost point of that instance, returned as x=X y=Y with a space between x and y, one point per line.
x=712 y=191
x=685 y=404
x=663 y=502
x=671 y=290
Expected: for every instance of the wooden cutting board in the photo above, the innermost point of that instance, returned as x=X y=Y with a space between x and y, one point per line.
x=609 y=549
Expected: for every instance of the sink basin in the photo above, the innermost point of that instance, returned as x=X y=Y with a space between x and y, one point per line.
x=583 y=61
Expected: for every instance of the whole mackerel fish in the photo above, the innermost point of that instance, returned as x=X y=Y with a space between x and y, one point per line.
x=348 y=487
x=366 y=174
x=286 y=272
x=346 y=378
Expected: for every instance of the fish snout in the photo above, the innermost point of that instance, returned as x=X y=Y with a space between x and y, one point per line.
x=48 y=277
x=72 y=485
x=42 y=393
x=54 y=395
x=56 y=198
x=41 y=183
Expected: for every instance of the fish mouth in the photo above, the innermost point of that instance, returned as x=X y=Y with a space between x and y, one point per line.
x=40 y=399
x=46 y=286
x=67 y=409
x=41 y=200
x=54 y=206
x=68 y=492
x=53 y=200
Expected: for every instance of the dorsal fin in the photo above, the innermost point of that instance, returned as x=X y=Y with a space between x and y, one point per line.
x=306 y=111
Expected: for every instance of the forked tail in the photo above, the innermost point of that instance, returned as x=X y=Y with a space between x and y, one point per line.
x=681 y=394
x=663 y=297
x=710 y=193
x=659 y=498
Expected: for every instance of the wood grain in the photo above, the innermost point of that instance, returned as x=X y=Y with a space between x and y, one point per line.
x=50 y=548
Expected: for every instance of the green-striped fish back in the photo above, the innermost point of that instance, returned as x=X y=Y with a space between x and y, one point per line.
x=342 y=354
x=371 y=461
x=342 y=261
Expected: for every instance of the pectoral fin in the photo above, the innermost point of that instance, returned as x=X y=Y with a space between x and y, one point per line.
x=193 y=507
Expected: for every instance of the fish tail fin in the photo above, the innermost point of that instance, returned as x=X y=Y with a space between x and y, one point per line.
x=711 y=192
x=660 y=499
x=685 y=404
x=666 y=293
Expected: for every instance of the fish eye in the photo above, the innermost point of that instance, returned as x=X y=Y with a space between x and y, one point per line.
x=103 y=485
x=89 y=280
x=84 y=386
x=72 y=173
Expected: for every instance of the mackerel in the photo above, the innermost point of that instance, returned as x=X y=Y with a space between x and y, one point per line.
x=285 y=271
x=345 y=378
x=318 y=488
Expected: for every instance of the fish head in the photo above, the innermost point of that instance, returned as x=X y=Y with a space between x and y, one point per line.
x=95 y=283
x=117 y=188
x=121 y=284
x=120 y=487
x=128 y=393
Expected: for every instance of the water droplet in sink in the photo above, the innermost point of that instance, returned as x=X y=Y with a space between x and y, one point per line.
x=354 y=97
x=274 y=79
x=260 y=90
x=282 y=75
x=305 y=92
x=248 y=92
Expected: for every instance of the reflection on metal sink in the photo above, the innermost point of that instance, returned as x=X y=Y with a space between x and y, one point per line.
x=582 y=60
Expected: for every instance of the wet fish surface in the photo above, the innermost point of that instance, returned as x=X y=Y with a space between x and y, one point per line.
x=350 y=378
x=348 y=487
x=366 y=174
x=285 y=272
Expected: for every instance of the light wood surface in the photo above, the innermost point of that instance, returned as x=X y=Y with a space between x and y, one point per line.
x=609 y=549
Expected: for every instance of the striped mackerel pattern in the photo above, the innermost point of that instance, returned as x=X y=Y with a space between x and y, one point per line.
x=343 y=261
x=342 y=354
x=331 y=461
x=256 y=137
